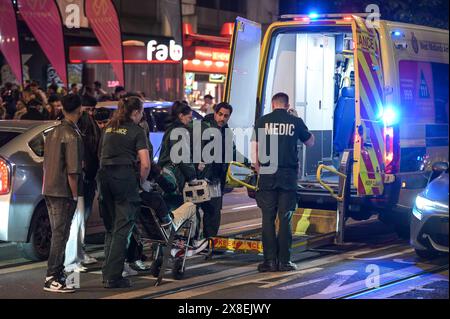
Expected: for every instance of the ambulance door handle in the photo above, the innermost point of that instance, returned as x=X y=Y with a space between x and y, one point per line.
x=320 y=105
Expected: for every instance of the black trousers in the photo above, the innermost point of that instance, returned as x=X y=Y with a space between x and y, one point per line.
x=120 y=203
x=60 y=213
x=211 y=216
x=272 y=203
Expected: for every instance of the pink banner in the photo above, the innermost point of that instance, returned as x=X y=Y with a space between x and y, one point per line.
x=104 y=22
x=44 y=21
x=9 y=38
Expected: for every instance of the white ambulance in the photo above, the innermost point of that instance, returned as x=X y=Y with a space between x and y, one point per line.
x=380 y=89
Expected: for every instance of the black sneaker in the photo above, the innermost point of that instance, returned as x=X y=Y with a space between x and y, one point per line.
x=119 y=283
x=290 y=266
x=53 y=284
x=268 y=266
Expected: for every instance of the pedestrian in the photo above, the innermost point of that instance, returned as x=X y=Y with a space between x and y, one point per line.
x=62 y=187
x=74 y=89
x=215 y=172
x=123 y=142
x=208 y=105
x=76 y=256
x=277 y=187
x=102 y=116
x=33 y=111
x=21 y=110
x=98 y=90
x=54 y=107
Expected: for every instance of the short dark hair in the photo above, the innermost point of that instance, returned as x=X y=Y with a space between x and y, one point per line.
x=88 y=101
x=53 y=98
x=53 y=87
x=97 y=84
x=73 y=85
x=119 y=89
x=102 y=114
x=208 y=96
x=223 y=105
x=71 y=102
x=34 y=103
x=179 y=107
x=281 y=97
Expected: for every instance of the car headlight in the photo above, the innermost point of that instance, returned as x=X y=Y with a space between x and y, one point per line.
x=425 y=205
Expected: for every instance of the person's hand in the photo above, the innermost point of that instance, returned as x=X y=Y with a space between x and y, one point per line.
x=146 y=186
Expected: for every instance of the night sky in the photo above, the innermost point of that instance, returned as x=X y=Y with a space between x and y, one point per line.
x=425 y=12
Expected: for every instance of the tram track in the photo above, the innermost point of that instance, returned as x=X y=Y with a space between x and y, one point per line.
x=392 y=283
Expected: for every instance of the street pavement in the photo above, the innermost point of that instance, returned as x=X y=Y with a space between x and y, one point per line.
x=372 y=264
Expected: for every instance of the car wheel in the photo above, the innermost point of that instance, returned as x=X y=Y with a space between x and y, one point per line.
x=38 y=248
x=427 y=254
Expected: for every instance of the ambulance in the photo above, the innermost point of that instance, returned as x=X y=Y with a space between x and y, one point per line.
x=377 y=88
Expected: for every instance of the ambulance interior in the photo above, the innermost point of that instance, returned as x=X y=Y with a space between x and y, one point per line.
x=316 y=70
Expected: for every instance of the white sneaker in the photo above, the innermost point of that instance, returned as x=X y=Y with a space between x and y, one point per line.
x=78 y=267
x=139 y=265
x=128 y=271
x=88 y=260
x=198 y=246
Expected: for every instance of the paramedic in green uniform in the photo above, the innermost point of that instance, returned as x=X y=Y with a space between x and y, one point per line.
x=183 y=169
x=124 y=143
x=277 y=187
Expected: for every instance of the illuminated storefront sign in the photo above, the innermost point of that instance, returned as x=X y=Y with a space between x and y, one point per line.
x=217 y=78
x=162 y=52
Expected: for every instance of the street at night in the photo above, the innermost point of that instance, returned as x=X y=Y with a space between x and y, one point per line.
x=224 y=155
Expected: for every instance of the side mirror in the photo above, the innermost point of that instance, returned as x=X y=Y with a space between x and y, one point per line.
x=437 y=169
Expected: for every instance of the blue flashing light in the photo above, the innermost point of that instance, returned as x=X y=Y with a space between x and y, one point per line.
x=397 y=33
x=313 y=15
x=389 y=116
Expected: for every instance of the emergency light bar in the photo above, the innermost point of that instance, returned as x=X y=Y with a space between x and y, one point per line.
x=316 y=16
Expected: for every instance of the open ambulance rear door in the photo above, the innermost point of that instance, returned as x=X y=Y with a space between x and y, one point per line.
x=368 y=167
x=242 y=81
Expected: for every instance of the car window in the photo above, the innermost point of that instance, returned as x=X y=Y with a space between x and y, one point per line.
x=6 y=137
x=37 y=143
x=160 y=117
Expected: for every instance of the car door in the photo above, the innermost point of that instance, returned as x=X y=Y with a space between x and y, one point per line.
x=368 y=168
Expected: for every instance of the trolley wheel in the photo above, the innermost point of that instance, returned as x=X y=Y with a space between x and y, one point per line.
x=177 y=269
x=155 y=268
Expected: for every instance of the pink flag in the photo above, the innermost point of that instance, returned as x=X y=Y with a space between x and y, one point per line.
x=104 y=22
x=9 y=38
x=44 y=20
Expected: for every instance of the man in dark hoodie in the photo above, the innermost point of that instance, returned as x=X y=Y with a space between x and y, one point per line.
x=215 y=172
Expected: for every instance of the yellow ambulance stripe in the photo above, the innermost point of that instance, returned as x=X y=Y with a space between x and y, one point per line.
x=370 y=79
x=371 y=114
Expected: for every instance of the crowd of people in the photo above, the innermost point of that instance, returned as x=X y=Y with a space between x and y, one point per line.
x=94 y=151
x=32 y=102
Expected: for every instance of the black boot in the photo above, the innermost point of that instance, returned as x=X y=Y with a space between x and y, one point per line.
x=268 y=266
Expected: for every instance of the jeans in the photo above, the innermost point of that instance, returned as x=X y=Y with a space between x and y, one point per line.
x=60 y=213
x=272 y=203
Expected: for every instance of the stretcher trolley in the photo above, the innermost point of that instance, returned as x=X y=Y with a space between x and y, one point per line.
x=313 y=225
x=174 y=243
